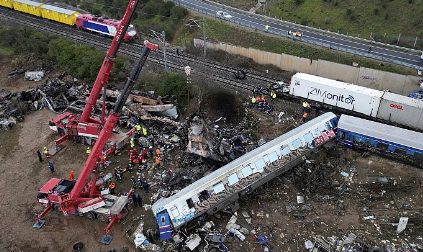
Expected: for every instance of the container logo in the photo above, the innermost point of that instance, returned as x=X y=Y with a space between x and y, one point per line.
x=395 y=106
x=337 y=97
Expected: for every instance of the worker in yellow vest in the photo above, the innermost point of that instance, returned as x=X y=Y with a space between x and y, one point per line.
x=253 y=101
x=273 y=95
x=132 y=143
x=88 y=150
x=46 y=153
x=144 y=131
x=266 y=27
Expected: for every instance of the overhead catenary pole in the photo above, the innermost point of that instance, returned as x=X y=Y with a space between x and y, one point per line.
x=204 y=37
x=164 y=49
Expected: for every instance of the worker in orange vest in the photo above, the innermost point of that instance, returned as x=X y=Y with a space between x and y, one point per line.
x=71 y=175
x=305 y=114
x=158 y=152
x=158 y=161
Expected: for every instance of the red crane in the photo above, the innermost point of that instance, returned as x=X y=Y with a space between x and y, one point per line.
x=85 y=128
x=84 y=196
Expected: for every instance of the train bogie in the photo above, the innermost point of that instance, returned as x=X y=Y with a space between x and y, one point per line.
x=28 y=6
x=59 y=14
x=401 y=109
x=7 y=3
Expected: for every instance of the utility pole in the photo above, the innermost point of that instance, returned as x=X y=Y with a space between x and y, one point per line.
x=164 y=49
x=204 y=37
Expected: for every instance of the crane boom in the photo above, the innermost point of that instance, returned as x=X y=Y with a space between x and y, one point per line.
x=106 y=67
x=112 y=119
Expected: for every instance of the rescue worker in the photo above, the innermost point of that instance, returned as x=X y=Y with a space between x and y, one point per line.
x=134 y=181
x=146 y=186
x=40 y=158
x=158 y=152
x=254 y=91
x=132 y=143
x=119 y=174
x=308 y=107
x=71 y=174
x=134 y=199
x=144 y=131
x=144 y=153
x=130 y=167
x=263 y=99
x=46 y=153
x=115 y=171
x=266 y=28
x=253 y=101
x=258 y=99
x=150 y=151
x=112 y=188
x=273 y=95
x=158 y=162
x=305 y=114
x=305 y=105
x=88 y=151
x=138 y=129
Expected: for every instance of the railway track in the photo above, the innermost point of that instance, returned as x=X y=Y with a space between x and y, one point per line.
x=205 y=69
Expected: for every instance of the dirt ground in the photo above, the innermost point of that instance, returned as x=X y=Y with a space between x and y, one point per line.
x=327 y=213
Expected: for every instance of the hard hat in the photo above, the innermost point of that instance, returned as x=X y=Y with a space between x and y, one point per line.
x=133 y=176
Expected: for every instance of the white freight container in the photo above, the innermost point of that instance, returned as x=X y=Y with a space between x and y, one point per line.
x=401 y=109
x=336 y=93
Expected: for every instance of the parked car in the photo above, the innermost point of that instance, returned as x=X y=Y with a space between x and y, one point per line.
x=223 y=15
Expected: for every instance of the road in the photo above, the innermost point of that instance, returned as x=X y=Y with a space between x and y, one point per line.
x=280 y=29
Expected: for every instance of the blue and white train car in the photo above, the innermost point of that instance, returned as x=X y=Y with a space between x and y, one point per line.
x=354 y=132
x=224 y=186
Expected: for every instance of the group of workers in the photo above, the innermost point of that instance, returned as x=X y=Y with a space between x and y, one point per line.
x=259 y=100
x=307 y=109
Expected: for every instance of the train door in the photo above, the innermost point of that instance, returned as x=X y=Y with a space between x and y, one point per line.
x=164 y=226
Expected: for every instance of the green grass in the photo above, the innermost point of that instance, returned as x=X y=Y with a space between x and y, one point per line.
x=217 y=30
x=385 y=19
x=6 y=50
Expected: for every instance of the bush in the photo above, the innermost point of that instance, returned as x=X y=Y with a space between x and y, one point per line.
x=348 y=12
x=174 y=84
x=376 y=11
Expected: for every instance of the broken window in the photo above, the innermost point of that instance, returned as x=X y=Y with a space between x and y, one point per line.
x=260 y=164
x=174 y=212
x=297 y=143
x=204 y=195
x=218 y=188
x=246 y=171
x=382 y=146
x=190 y=203
x=308 y=137
x=233 y=179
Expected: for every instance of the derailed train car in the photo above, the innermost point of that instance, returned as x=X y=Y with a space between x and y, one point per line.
x=226 y=185
x=354 y=132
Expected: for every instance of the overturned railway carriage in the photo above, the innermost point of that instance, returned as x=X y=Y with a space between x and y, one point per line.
x=354 y=132
x=227 y=184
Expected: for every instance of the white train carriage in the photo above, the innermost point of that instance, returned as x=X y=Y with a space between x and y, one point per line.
x=224 y=186
x=336 y=93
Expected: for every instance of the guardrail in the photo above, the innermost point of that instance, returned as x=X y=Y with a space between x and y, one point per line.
x=306 y=39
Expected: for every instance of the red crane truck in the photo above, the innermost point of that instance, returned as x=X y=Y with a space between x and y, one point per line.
x=85 y=197
x=83 y=128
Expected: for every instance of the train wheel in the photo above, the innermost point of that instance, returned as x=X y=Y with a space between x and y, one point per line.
x=90 y=215
x=103 y=218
